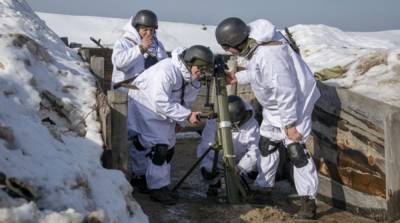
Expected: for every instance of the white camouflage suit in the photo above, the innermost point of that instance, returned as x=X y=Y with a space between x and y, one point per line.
x=157 y=109
x=129 y=62
x=127 y=59
x=285 y=87
x=245 y=143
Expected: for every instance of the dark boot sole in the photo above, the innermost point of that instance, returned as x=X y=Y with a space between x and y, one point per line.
x=163 y=202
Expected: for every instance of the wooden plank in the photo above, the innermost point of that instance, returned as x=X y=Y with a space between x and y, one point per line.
x=85 y=54
x=119 y=131
x=348 y=121
x=356 y=145
x=392 y=145
x=104 y=112
x=97 y=66
x=346 y=174
x=336 y=100
x=346 y=198
x=101 y=52
x=350 y=168
x=345 y=134
x=107 y=68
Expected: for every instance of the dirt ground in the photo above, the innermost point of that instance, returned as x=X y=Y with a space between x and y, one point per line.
x=194 y=206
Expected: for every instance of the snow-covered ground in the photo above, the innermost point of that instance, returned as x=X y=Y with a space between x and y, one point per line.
x=50 y=145
x=367 y=62
x=49 y=137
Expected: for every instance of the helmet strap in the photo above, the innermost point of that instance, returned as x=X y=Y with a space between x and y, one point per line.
x=187 y=64
x=247 y=48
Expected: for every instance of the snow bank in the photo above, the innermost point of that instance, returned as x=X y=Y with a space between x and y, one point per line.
x=49 y=137
x=369 y=62
x=80 y=28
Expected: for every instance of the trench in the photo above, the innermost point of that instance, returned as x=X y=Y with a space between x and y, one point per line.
x=194 y=205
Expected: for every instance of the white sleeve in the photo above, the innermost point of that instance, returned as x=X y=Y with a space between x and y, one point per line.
x=125 y=55
x=162 y=54
x=183 y=123
x=249 y=161
x=286 y=87
x=162 y=94
x=243 y=77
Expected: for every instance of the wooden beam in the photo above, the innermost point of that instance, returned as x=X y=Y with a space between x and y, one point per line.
x=392 y=145
x=97 y=66
x=352 y=170
x=356 y=145
x=344 y=133
x=346 y=198
x=336 y=100
x=85 y=54
x=119 y=130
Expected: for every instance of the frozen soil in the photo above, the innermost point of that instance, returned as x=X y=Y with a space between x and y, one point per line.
x=194 y=206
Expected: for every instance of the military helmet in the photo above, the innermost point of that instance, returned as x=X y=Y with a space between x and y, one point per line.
x=231 y=32
x=145 y=18
x=198 y=55
x=237 y=109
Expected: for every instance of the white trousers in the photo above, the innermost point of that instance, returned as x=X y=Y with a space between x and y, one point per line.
x=157 y=176
x=138 y=163
x=305 y=178
x=141 y=164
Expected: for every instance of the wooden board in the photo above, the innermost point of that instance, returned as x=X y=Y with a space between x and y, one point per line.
x=346 y=198
x=392 y=145
x=119 y=131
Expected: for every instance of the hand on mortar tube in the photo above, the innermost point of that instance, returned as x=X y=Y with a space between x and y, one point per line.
x=194 y=118
x=230 y=77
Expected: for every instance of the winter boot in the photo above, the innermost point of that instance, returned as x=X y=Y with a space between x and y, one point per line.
x=261 y=196
x=139 y=183
x=213 y=189
x=308 y=209
x=163 y=196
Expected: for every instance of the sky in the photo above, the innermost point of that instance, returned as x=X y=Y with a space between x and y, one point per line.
x=348 y=15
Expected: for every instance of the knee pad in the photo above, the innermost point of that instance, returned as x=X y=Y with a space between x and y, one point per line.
x=264 y=145
x=159 y=154
x=252 y=175
x=296 y=155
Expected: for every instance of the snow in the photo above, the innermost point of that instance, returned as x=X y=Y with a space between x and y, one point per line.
x=371 y=59
x=61 y=166
x=60 y=157
x=80 y=28
x=321 y=46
